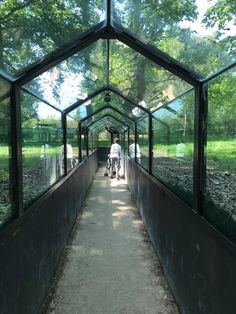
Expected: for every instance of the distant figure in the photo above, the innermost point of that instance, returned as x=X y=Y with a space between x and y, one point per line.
x=180 y=150
x=115 y=153
x=69 y=155
x=132 y=151
x=44 y=150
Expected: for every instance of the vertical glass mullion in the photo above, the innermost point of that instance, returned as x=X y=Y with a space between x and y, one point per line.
x=16 y=152
x=199 y=166
x=64 y=128
x=150 y=140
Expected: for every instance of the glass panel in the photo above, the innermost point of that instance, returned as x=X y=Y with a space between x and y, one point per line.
x=6 y=211
x=88 y=107
x=72 y=79
x=126 y=107
x=104 y=139
x=72 y=143
x=219 y=207
x=91 y=141
x=31 y=29
x=141 y=79
x=41 y=147
x=142 y=149
x=173 y=136
x=201 y=34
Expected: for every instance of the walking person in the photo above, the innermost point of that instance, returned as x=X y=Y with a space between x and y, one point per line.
x=115 y=152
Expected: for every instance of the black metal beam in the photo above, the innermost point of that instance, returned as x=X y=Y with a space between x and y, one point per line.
x=156 y=55
x=150 y=144
x=80 y=142
x=16 y=173
x=60 y=54
x=135 y=142
x=109 y=13
x=64 y=128
x=108 y=61
x=199 y=165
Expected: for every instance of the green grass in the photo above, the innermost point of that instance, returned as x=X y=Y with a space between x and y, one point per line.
x=220 y=154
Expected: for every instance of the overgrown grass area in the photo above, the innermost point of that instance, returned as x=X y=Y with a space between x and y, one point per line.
x=220 y=154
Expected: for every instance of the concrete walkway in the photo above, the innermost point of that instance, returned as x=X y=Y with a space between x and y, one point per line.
x=110 y=266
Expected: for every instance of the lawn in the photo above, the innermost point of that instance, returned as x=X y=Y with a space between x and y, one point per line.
x=220 y=154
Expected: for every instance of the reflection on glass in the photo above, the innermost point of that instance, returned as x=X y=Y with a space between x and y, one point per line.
x=142 y=80
x=173 y=127
x=201 y=34
x=91 y=141
x=131 y=151
x=72 y=143
x=41 y=147
x=5 y=202
x=31 y=29
x=84 y=145
x=143 y=142
x=72 y=79
x=219 y=207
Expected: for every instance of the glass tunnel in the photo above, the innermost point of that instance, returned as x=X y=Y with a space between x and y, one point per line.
x=76 y=74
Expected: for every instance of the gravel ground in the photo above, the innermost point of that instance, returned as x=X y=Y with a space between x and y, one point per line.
x=220 y=207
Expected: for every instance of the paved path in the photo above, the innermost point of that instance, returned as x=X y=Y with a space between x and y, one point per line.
x=110 y=266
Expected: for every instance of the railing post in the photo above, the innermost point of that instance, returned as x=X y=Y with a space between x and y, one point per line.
x=199 y=165
x=16 y=172
x=150 y=144
x=135 y=142
x=80 y=142
x=64 y=128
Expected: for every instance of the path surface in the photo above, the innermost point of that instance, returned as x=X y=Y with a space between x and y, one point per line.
x=110 y=266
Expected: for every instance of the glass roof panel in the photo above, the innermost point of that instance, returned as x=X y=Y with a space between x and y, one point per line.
x=72 y=79
x=97 y=116
x=32 y=29
x=126 y=107
x=142 y=80
x=199 y=33
x=105 y=123
x=116 y=101
x=88 y=107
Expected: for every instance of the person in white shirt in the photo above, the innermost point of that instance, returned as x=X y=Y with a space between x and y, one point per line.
x=132 y=151
x=115 y=152
x=69 y=155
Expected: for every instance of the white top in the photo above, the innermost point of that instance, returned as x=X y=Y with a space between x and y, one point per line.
x=115 y=150
x=132 y=150
x=69 y=151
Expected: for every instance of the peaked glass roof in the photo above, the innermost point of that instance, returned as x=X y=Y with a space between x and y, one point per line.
x=30 y=29
x=145 y=54
x=201 y=34
x=72 y=79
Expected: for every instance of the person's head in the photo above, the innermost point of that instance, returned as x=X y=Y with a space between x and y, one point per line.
x=116 y=140
x=131 y=140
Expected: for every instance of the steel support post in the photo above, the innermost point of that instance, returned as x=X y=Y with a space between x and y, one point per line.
x=16 y=173
x=199 y=166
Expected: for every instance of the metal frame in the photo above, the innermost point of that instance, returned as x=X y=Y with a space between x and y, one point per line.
x=108 y=29
x=16 y=171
